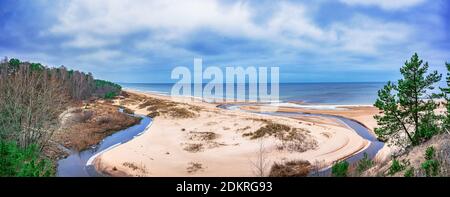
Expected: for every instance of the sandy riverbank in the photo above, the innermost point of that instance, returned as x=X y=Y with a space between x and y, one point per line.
x=212 y=142
x=362 y=114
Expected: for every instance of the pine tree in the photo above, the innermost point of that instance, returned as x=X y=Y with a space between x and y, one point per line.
x=446 y=92
x=408 y=107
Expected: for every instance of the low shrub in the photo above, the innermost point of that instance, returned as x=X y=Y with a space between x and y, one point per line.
x=430 y=153
x=22 y=162
x=431 y=165
x=110 y=95
x=409 y=172
x=340 y=169
x=364 y=164
x=396 y=167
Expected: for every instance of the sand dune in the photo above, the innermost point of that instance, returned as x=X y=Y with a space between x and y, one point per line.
x=212 y=143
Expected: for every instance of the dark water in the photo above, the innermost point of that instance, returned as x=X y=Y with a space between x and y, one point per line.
x=75 y=165
x=323 y=93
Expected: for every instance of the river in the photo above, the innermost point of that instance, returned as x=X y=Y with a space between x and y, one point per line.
x=79 y=164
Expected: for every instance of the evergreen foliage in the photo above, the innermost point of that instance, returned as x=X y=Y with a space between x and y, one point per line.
x=407 y=106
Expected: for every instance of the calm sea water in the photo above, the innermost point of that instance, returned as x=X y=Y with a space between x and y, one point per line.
x=314 y=93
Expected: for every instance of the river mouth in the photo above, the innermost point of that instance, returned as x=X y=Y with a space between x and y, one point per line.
x=79 y=164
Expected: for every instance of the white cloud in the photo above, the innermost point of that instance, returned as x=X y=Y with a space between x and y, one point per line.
x=103 y=22
x=385 y=4
x=101 y=56
x=366 y=35
x=117 y=17
x=105 y=59
x=88 y=41
x=293 y=21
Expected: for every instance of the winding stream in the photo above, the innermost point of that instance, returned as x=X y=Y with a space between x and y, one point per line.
x=79 y=164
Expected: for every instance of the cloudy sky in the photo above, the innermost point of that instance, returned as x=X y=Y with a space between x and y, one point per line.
x=311 y=41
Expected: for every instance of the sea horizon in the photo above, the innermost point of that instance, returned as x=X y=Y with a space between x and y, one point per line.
x=329 y=93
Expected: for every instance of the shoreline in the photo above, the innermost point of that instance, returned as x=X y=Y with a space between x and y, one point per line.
x=342 y=110
x=294 y=103
x=334 y=142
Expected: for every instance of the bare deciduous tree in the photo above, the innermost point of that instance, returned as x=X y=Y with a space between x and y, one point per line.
x=261 y=163
x=30 y=104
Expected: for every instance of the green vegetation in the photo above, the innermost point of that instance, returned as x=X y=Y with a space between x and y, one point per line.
x=23 y=162
x=431 y=165
x=36 y=67
x=405 y=110
x=340 y=169
x=364 y=164
x=110 y=95
x=430 y=153
x=396 y=167
x=409 y=116
x=102 y=83
x=409 y=172
x=14 y=63
x=446 y=93
x=107 y=89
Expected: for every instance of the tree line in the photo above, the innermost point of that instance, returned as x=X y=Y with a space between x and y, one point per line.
x=32 y=96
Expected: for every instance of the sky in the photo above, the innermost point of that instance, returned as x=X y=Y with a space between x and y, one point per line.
x=311 y=41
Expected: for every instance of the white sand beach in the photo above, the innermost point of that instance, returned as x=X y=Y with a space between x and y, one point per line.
x=212 y=142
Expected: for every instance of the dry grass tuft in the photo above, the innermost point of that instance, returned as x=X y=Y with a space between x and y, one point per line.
x=83 y=116
x=297 y=168
x=292 y=139
x=244 y=129
x=194 y=167
x=202 y=136
x=195 y=108
x=270 y=129
x=158 y=107
x=298 y=140
x=128 y=110
x=104 y=119
x=135 y=167
x=193 y=147
x=153 y=114
x=181 y=113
